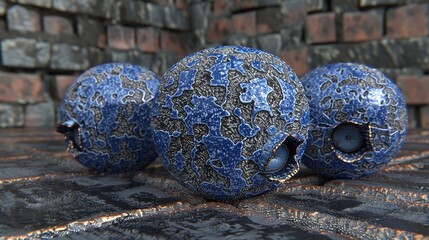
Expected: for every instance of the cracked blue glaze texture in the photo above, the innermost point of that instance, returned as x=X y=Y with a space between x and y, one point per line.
x=220 y=116
x=105 y=116
x=358 y=120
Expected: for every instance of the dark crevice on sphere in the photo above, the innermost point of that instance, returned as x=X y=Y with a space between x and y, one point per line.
x=358 y=120
x=105 y=116
x=221 y=115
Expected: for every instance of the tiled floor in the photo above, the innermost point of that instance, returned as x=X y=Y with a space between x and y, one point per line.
x=45 y=193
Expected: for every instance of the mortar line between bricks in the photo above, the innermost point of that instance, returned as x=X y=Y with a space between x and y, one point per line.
x=97 y=222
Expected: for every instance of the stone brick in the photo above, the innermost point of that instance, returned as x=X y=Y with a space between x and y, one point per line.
x=293 y=13
x=414 y=88
x=245 y=23
x=148 y=39
x=407 y=21
x=199 y=13
x=268 y=20
x=222 y=7
x=133 y=57
x=11 y=115
x=297 y=59
x=271 y=43
x=25 y=52
x=20 y=88
x=40 y=115
x=3 y=7
x=238 y=5
x=424 y=116
x=373 y=3
x=38 y=3
x=181 y=4
x=60 y=85
x=156 y=14
x=68 y=57
x=412 y=117
x=242 y=40
x=57 y=25
x=163 y=61
x=315 y=5
x=340 y=6
x=98 y=8
x=133 y=11
x=175 y=19
x=172 y=42
x=121 y=37
x=291 y=35
x=91 y=32
x=362 y=26
x=23 y=19
x=218 y=29
x=320 y=28
x=65 y=5
x=95 y=56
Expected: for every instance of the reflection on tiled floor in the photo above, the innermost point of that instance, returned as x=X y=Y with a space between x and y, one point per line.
x=44 y=193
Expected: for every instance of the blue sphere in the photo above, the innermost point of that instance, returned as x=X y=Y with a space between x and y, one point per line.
x=220 y=117
x=358 y=120
x=105 y=116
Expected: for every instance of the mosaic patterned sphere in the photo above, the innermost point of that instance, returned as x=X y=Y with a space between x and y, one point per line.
x=230 y=122
x=358 y=120
x=105 y=116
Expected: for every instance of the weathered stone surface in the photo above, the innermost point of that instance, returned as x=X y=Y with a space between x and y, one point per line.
x=2 y=8
x=40 y=115
x=315 y=5
x=57 y=25
x=98 y=8
x=297 y=58
x=95 y=56
x=155 y=14
x=11 y=115
x=175 y=19
x=408 y=21
x=60 y=85
x=20 y=88
x=121 y=37
x=23 y=19
x=245 y=23
x=25 y=52
x=65 y=5
x=269 y=20
x=133 y=11
x=219 y=29
x=91 y=32
x=271 y=43
x=414 y=88
x=340 y=6
x=199 y=15
x=320 y=28
x=39 y=3
x=148 y=39
x=372 y=3
x=362 y=26
x=68 y=57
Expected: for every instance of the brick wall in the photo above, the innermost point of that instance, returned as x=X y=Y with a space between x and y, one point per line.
x=45 y=44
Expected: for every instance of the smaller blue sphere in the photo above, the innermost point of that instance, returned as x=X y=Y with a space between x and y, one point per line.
x=105 y=116
x=358 y=120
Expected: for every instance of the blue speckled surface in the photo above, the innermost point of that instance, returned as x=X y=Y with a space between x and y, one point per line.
x=356 y=94
x=222 y=113
x=111 y=105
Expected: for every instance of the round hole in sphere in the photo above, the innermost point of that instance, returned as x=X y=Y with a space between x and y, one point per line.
x=279 y=160
x=348 y=137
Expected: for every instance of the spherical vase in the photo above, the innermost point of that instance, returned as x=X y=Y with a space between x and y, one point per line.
x=105 y=116
x=230 y=122
x=358 y=120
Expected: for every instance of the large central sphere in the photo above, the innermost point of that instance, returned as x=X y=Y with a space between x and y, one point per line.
x=230 y=122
